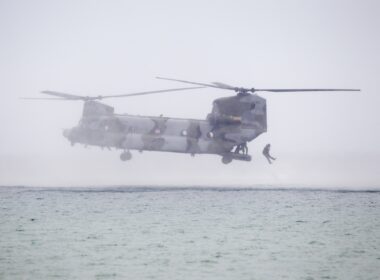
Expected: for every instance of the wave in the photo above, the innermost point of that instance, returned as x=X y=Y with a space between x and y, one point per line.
x=137 y=189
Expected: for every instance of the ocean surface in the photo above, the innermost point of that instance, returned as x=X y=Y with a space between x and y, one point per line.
x=191 y=233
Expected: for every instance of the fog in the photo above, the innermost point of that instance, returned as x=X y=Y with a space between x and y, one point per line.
x=115 y=47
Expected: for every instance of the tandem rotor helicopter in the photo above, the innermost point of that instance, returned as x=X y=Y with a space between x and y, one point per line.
x=233 y=122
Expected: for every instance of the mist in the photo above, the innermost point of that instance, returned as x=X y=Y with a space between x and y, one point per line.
x=117 y=47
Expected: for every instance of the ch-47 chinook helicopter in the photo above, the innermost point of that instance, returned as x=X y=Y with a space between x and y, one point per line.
x=233 y=122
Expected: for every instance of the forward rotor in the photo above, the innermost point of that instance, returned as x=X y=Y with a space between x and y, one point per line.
x=247 y=91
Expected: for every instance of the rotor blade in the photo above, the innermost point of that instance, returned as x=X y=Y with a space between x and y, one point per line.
x=225 y=86
x=196 y=83
x=304 y=90
x=222 y=85
x=44 y=98
x=147 y=92
x=64 y=95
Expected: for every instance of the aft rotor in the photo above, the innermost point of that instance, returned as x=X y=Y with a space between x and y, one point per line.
x=241 y=91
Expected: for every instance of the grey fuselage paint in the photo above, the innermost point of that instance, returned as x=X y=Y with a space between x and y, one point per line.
x=233 y=121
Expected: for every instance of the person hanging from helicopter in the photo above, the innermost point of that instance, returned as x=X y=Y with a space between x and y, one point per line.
x=267 y=155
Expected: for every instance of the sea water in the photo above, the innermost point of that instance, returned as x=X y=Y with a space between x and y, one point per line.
x=191 y=233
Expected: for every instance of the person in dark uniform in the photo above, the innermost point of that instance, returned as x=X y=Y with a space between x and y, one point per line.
x=267 y=155
x=243 y=148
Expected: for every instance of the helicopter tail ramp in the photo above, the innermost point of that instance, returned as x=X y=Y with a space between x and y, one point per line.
x=94 y=108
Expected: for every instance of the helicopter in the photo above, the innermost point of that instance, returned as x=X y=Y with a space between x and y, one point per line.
x=232 y=123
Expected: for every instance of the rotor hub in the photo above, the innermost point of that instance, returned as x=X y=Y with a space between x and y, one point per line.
x=243 y=91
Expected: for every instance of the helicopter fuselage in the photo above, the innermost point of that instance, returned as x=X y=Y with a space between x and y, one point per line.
x=233 y=121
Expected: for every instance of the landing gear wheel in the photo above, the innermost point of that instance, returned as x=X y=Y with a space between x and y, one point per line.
x=125 y=156
x=226 y=159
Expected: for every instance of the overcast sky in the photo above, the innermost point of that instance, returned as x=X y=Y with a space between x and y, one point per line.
x=114 y=47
